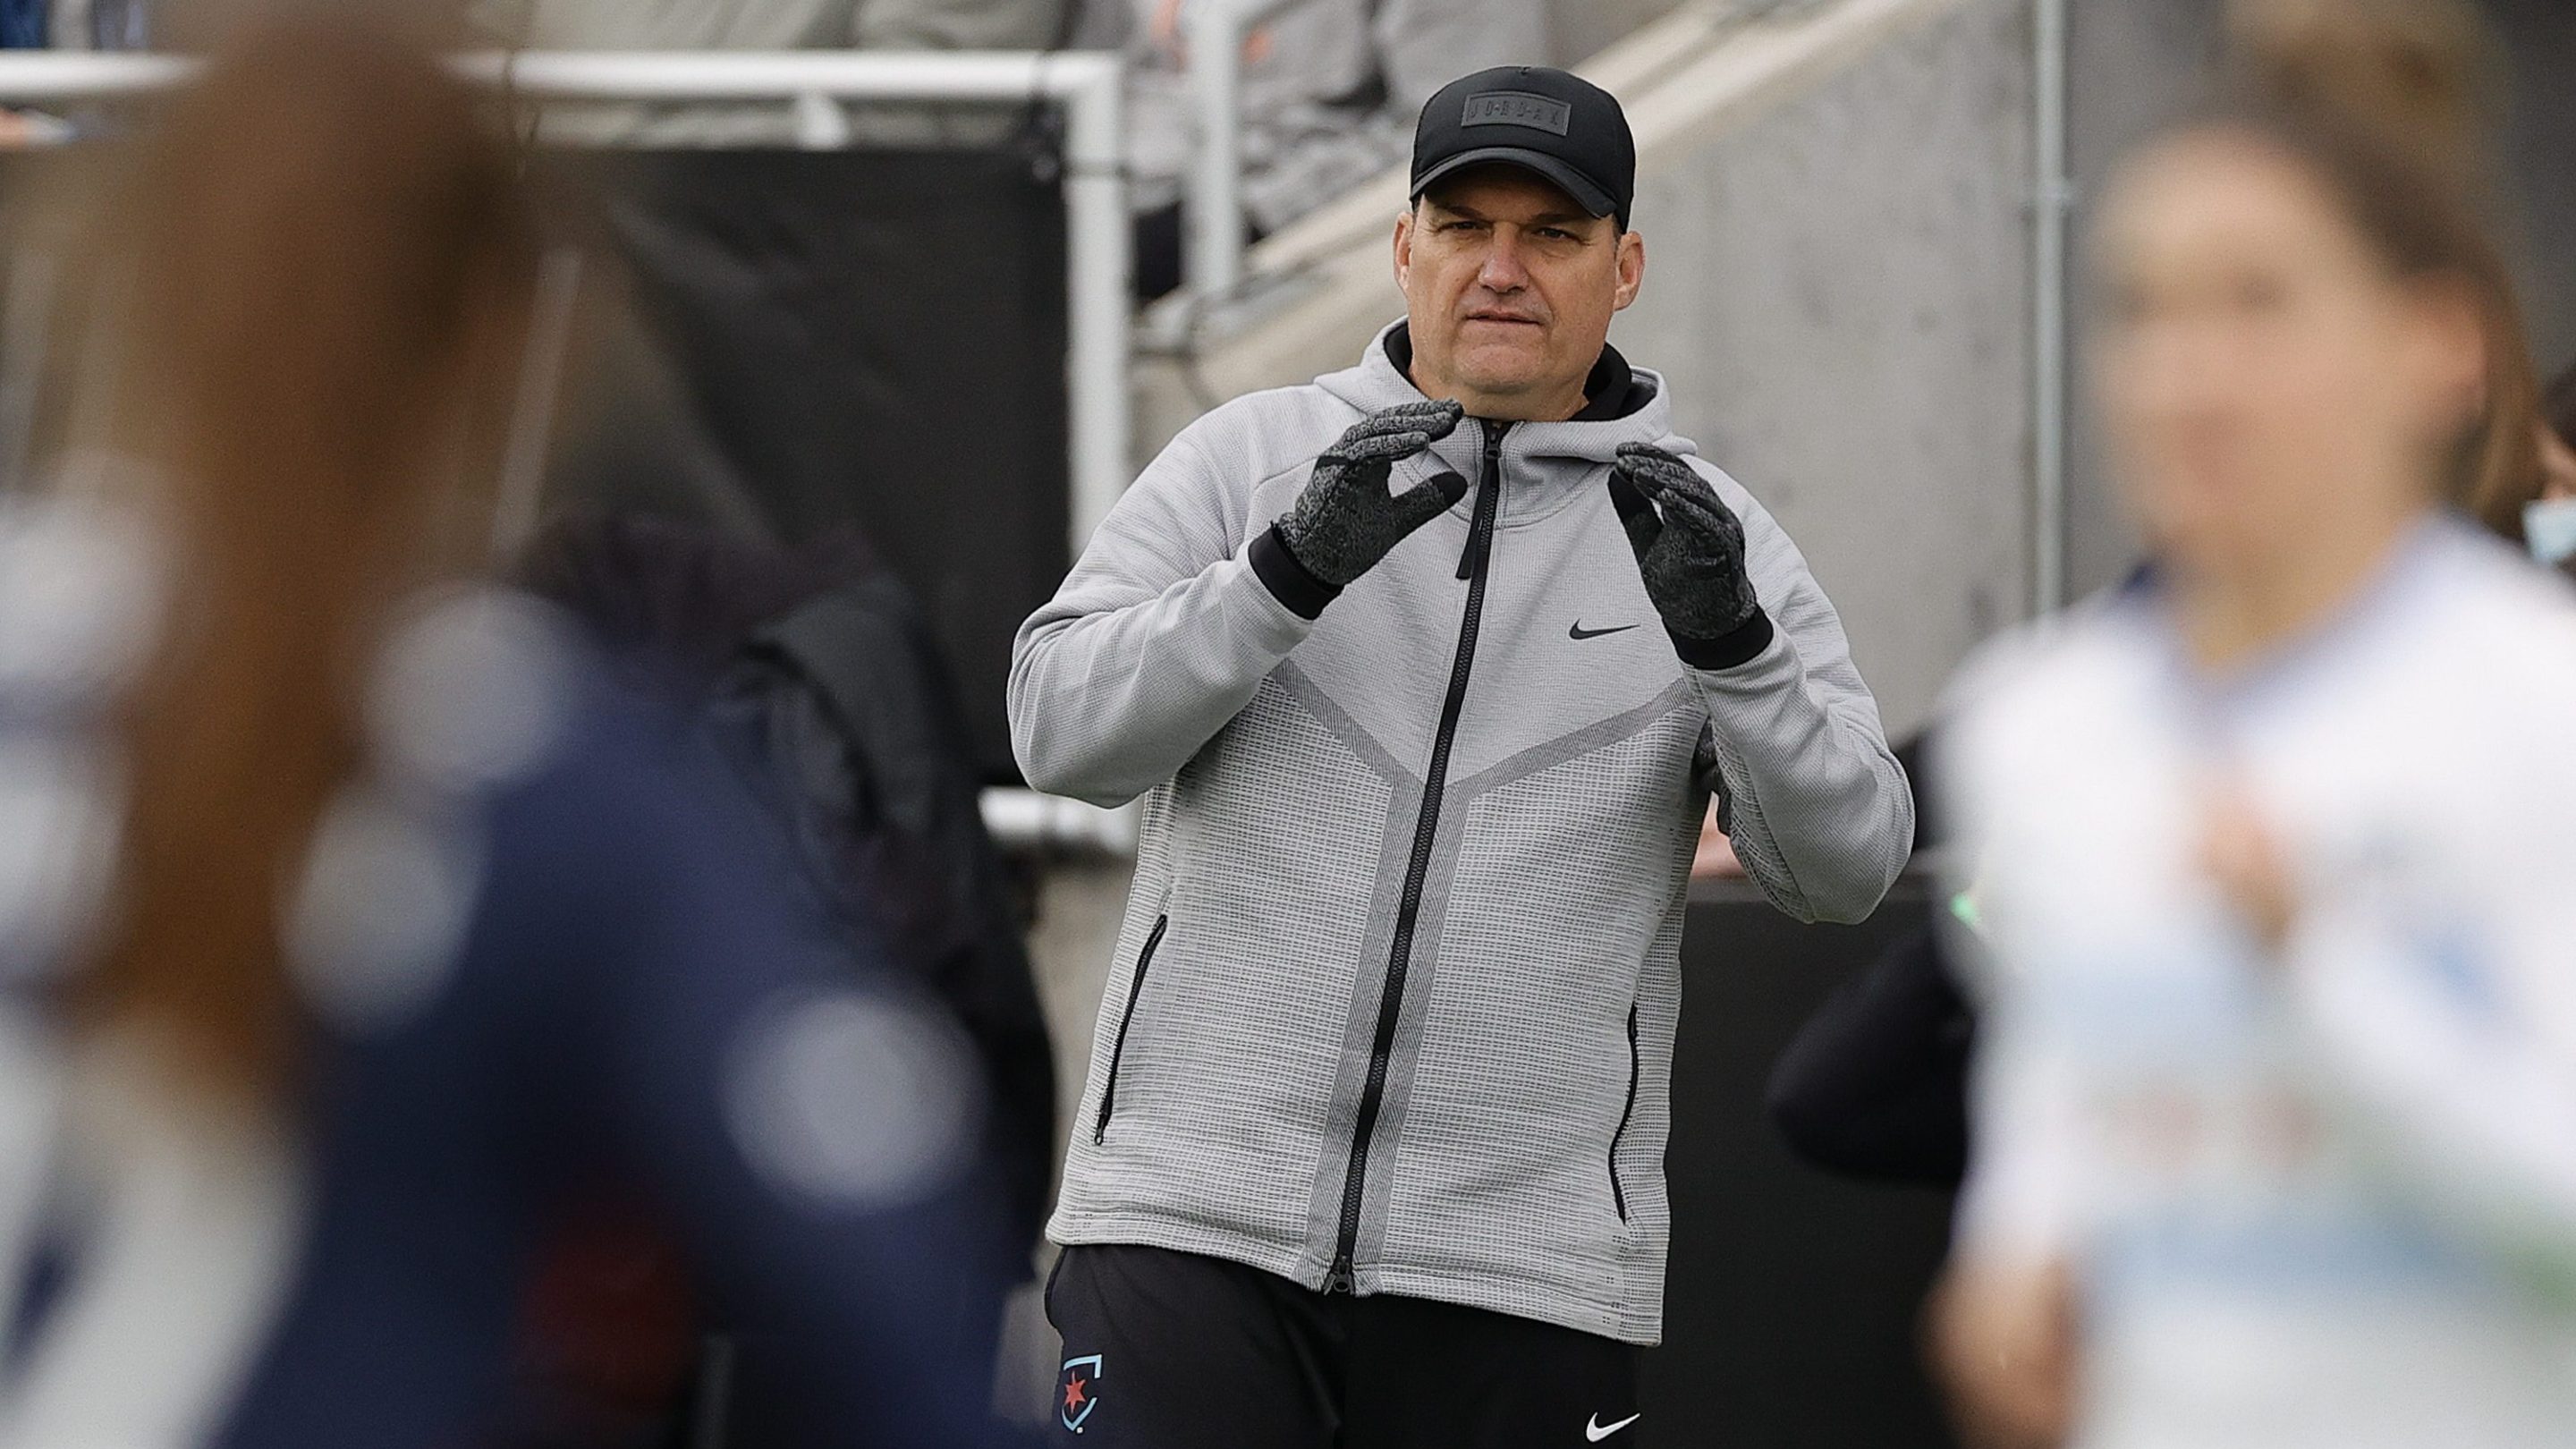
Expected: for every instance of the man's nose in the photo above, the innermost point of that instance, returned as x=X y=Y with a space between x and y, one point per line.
x=1502 y=271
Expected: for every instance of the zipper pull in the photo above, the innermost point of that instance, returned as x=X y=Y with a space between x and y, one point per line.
x=1492 y=479
x=1342 y=1279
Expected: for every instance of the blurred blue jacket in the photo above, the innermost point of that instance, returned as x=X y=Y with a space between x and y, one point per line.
x=628 y=994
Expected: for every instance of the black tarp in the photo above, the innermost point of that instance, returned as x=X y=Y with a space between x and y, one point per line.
x=868 y=338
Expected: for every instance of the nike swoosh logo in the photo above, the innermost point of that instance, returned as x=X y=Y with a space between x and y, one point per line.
x=1593 y=1428
x=1579 y=632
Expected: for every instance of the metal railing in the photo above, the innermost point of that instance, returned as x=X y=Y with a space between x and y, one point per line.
x=1088 y=86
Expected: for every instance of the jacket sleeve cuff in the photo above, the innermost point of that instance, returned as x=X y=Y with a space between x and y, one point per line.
x=1737 y=646
x=1304 y=594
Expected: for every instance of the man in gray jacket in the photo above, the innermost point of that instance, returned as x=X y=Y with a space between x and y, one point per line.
x=1426 y=673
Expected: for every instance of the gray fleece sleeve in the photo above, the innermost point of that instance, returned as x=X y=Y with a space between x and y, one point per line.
x=1157 y=639
x=1811 y=797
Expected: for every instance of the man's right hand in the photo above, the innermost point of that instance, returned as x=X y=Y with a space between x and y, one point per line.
x=1346 y=520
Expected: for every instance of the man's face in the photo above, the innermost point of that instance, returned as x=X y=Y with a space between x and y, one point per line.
x=1509 y=287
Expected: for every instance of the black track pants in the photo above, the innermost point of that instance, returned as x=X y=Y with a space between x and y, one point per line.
x=1169 y=1350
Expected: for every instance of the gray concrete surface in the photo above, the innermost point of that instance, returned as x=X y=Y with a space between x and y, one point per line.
x=1579 y=29
x=2131 y=68
x=1838 y=295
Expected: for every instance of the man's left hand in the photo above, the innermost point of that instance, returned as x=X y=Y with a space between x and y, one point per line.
x=1692 y=555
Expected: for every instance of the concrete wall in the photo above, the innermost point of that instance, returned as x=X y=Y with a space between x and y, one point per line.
x=2132 y=66
x=1581 y=29
x=1839 y=295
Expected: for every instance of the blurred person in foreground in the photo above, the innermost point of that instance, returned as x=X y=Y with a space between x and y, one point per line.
x=1371 y=1152
x=1875 y=1084
x=2276 y=1111
x=349 y=920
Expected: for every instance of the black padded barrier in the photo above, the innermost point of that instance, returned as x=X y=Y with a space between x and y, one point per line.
x=1793 y=1299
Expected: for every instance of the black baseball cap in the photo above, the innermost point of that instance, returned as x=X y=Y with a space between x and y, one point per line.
x=1561 y=126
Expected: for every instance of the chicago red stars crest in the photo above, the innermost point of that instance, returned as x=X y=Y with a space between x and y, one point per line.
x=1079 y=1392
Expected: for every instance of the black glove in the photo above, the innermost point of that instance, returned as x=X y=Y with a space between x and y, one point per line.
x=1692 y=557
x=1346 y=521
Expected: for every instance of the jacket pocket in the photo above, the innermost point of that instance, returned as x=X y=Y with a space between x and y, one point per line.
x=1619 y=1194
x=1126 y=1019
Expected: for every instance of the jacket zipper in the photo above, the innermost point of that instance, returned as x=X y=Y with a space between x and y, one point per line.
x=1618 y=1194
x=1471 y=567
x=1126 y=1019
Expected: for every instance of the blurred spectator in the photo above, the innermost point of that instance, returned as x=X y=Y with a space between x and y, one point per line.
x=76 y=24
x=65 y=25
x=2549 y=521
x=2273 y=1094
x=1875 y=1084
x=681 y=25
x=1330 y=92
x=2558 y=416
x=351 y=920
x=816 y=675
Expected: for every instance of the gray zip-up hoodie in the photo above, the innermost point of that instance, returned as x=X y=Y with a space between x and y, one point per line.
x=1370 y=1035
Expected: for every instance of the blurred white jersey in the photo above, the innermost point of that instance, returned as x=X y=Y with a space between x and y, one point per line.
x=2327 y=1198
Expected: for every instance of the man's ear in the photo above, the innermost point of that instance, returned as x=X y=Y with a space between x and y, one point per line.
x=1403 y=248
x=1632 y=270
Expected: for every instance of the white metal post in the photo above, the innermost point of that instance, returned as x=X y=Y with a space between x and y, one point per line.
x=1100 y=263
x=2052 y=197
x=1213 y=207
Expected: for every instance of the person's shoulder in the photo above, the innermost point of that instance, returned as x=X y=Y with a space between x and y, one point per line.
x=2482 y=578
x=2497 y=630
x=2480 y=612
x=2070 y=676
x=1259 y=434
